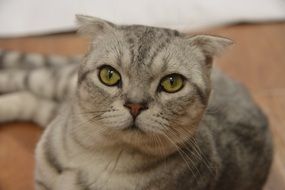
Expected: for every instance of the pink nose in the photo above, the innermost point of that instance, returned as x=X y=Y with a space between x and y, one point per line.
x=135 y=108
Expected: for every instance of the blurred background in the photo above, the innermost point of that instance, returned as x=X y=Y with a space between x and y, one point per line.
x=33 y=17
x=257 y=59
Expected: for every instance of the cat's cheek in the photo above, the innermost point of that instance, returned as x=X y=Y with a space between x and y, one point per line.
x=140 y=122
x=166 y=97
x=118 y=122
x=146 y=124
x=192 y=116
x=124 y=123
x=120 y=118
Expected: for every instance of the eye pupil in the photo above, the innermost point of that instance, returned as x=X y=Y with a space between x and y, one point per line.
x=110 y=74
x=172 y=81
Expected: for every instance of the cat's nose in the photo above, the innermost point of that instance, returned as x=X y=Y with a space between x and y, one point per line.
x=136 y=108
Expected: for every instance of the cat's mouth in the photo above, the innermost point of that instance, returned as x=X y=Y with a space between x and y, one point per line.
x=133 y=127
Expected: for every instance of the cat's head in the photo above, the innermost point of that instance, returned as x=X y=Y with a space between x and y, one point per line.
x=142 y=86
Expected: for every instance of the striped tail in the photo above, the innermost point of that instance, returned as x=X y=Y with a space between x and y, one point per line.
x=33 y=86
x=24 y=106
x=19 y=60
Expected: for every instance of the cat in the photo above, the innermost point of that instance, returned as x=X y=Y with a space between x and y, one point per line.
x=144 y=110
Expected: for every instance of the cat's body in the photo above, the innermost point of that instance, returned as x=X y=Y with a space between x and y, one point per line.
x=134 y=134
x=229 y=151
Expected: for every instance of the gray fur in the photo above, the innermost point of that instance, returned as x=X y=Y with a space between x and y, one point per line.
x=209 y=135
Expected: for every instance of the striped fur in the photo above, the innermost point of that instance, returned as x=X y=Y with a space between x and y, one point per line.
x=208 y=135
x=20 y=60
x=25 y=106
x=44 y=82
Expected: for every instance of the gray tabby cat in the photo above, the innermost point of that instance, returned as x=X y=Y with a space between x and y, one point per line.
x=144 y=110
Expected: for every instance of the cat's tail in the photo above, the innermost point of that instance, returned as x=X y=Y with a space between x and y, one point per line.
x=33 y=86
x=52 y=83
x=48 y=76
x=25 y=106
x=21 y=60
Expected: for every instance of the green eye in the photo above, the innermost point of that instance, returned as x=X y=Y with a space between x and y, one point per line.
x=109 y=76
x=172 y=83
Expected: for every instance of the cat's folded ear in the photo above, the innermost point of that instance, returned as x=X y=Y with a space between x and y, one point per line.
x=210 y=46
x=92 y=26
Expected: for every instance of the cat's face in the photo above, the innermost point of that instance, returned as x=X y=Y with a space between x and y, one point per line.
x=145 y=87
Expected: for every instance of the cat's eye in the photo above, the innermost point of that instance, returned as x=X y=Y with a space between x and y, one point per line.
x=172 y=83
x=109 y=76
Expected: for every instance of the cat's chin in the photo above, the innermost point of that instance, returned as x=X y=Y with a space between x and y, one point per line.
x=148 y=146
x=145 y=142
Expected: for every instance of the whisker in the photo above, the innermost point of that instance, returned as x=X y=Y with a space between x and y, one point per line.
x=160 y=145
x=198 y=153
x=188 y=156
x=110 y=116
x=193 y=144
x=183 y=155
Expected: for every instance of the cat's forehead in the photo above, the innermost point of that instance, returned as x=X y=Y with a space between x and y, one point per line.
x=140 y=31
x=144 y=43
x=143 y=38
x=142 y=50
